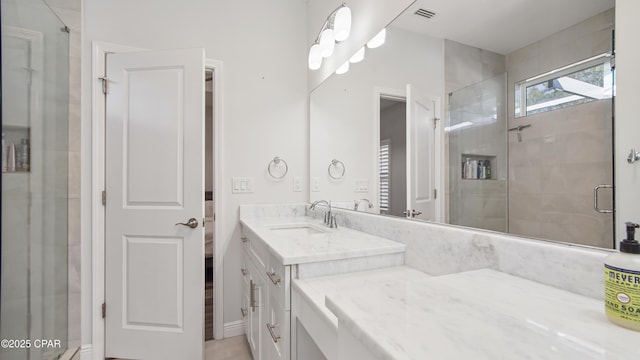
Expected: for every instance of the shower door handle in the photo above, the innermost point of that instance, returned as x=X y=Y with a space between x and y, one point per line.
x=595 y=199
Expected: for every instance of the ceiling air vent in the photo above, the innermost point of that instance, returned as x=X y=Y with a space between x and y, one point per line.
x=425 y=13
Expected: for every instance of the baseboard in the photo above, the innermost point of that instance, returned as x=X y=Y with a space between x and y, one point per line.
x=234 y=328
x=86 y=352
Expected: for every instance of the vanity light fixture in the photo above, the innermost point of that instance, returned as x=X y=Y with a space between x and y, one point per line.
x=336 y=28
x=327 y=43
x=358 y=56
x=343 y=68
x=315 y=58
x=377 y=40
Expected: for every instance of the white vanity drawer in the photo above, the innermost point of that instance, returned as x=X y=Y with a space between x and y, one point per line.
x=279 y=279
x=277 y=331
x=256 y=248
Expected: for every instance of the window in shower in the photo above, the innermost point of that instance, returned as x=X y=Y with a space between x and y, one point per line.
x=578 y=83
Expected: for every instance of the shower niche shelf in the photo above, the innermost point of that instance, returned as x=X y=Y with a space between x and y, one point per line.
x=16 y=135
x=478 y=172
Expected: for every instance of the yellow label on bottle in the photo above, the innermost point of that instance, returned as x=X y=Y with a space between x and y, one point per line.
x=622 y=293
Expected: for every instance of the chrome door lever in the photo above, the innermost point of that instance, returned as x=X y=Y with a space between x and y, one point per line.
x=633 y=156
x=192 y=223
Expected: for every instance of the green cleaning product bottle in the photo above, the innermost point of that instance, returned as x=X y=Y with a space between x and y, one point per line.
x=622 y=282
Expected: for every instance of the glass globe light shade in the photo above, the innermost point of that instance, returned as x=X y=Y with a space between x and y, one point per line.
x=377 y=40
x=327 y=43
x=342 y=24
x=343 y=68
x=358 y=56
x=315 y=59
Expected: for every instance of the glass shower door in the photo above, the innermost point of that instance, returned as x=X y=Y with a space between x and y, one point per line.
x=35 y=73
x=478 y=155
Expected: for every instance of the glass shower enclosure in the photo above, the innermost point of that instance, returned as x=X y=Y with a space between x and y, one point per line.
x=35 y=98
x=478 y=155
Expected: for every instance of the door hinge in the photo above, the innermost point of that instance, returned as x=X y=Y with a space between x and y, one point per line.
x=104 y=310
x=435 y=194
x=104 y=197
x=105 y=85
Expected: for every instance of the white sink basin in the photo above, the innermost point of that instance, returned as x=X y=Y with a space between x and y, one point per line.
x=298 y=229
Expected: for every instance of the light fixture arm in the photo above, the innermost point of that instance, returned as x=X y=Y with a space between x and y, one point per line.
x=329 y=22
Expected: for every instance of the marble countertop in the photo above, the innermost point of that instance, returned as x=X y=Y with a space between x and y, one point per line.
x=297 y=247
x=482 y=314
x=314 y=289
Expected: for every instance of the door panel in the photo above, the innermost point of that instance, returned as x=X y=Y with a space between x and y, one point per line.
x=421 y=114
x=154 y=181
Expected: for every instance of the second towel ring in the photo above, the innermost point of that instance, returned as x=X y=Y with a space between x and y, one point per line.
x=336 y=164
x=275 y=162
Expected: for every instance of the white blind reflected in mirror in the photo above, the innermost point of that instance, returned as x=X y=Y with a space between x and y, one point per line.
x=384 y=171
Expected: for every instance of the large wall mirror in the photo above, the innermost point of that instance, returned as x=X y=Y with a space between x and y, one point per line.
x=490 y=115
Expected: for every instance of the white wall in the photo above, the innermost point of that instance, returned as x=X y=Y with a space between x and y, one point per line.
x=342 y=109
x=263 y=48
x=368 y=18
x=627 y=130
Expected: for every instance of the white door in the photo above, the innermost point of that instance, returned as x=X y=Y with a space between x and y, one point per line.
x=421 y=122
x=154 y=180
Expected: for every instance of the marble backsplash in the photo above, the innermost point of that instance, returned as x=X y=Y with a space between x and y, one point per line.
x=439 y=249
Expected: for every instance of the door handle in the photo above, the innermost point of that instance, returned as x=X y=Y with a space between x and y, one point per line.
x=595 y=199
x=192 y=223
x=412 y=213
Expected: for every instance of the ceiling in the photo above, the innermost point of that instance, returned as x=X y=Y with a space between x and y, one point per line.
x=501 y=26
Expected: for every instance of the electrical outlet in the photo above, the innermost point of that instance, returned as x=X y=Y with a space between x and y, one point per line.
x=361 y=185
x=297 y=184
x=315 y=184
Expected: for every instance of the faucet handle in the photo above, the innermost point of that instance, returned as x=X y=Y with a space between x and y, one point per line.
x=332 y=221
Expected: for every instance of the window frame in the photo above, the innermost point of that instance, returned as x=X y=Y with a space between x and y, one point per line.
x=521 y=92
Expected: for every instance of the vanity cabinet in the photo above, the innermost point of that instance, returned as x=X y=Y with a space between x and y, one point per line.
x=272 y=258
x=266 y=300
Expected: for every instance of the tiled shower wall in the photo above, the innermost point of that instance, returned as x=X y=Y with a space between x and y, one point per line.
x=565 y=152
x=69 y=11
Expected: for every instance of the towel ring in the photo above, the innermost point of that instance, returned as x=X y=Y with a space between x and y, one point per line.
x=274 y=163
x=334 y=165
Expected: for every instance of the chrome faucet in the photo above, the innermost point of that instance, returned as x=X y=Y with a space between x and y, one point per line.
x=356 y=204
x=329 y=218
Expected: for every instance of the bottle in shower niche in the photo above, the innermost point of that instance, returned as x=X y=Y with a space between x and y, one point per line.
x=480 y=169
x=466 y=169
x=5 y=153
x=487 y=169
x=22 y=163
x=474 y=169
x=11 y=158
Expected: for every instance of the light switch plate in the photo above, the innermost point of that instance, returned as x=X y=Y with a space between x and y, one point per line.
x=241 y=185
